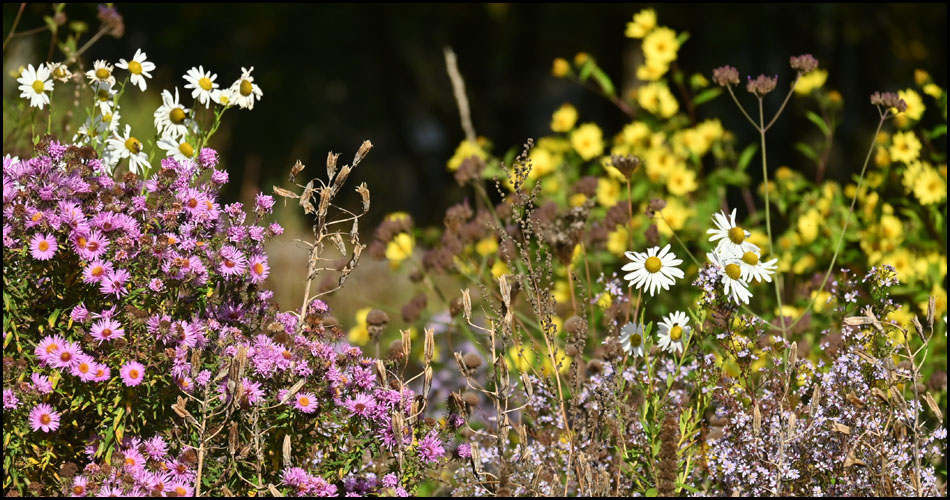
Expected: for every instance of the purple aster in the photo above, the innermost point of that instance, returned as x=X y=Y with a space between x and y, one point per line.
x=232 y=261
x=430 y=447
x=43 y=417
x=96 y=271
x=41 y=383
x=114 y=283
x=10 y=401
x=264 y=203
x=362 y=405
x=42 y=246
x=132 y=373
x=107 y=329
x=259 y=268
x=79 y=314
x=306 y=402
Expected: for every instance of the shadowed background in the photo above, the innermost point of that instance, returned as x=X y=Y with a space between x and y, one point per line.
x=333 y=75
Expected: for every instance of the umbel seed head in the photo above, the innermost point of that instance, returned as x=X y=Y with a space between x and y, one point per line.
x=804 y=63
x=761 y=85
x=725 y=76
x=889 y=100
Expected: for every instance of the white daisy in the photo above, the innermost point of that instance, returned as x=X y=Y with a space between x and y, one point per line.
x=731 y=274
x=653 y=270
x=244 y=90
x=224 y=97
x=60 y=72
x=754 y=268
x=101 y=72
x=171 y=118
x=177 y=148
x=631 y=339
x=732 y=238
x=673 y=331
x=108 y=120
x=34 y=83
x=104 y=96
x=85 y=132
x=139 y=68
x=119 y=147
x=203 y=84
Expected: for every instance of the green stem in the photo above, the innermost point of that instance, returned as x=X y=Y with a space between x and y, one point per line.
x=16 y=21
x=782 y=107
x=739 y=105
x=768 y=216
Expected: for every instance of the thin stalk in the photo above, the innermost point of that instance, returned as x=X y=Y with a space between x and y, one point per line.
x=16 y=22
x=768 y=216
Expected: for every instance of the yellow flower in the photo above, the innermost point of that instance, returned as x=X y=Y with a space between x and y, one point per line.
x=617 y=241
x=359 y=334
x=396 y=216
x=608 y=192
x=399 y=249
x=521 y=358
x=891 y=229
x=487 y=246
x=759 y=238
x=659 y=162
x=905 y=147
x=643 y=22
x=652 y=70
x=661 y=45
x=881 y=158
x=911 y=173
x=634 y=134
x=673 y=217
x=940 y=300
x=560 y=68
x=903 y=262
x=804 y=264
x=657 y=99
x=543 y=162
x=466 y=150
x=581 y=57
x=563 y=363
x=933 y=90
x=564 y=118
x=605 y=300
x=577 y=199
x=499 y=268
x=808 y=225
x=588 y=141
x=811 y=81
x=930 y=187
x=556 y=145
x=903 y=317
x=681 y=181
x=921 y=76
x=915 y=106
x=821 y=300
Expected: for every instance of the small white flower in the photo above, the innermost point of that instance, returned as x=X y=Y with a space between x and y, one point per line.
x=139 y=68
x=34 y=83
x=731 y=274
x=244 y=90
x=119 y=147
x=754 y=268
x=631 y=339
x=60 y=72
x=104 y=95
x=731 y=237
x=101 y=72
x=653 y=270
x=177 y=148
x=224 y=97
x=673 y=331
x=171 y=118
x=203 y=84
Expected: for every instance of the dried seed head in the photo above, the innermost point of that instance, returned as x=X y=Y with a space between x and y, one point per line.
x=363 y=151
x=455 y=307
x=761 y=85
x=377 y=318
x=725 y=76
x=889 y=100
x=804 y=63
x=626 y=164
x=364 y=194
x=576 y=326
x=655 y=205
x=472 y=361
x=331 y=164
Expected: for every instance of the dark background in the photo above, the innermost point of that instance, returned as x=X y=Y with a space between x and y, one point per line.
x=333 y=75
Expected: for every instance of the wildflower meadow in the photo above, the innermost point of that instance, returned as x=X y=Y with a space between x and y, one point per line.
x=666 y=293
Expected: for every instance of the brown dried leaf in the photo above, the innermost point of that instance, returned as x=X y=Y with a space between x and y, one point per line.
x=934 y=407
x=286 y=193
x=285 y=450
x=852 y=460
x=844 y=429
x=296 y=169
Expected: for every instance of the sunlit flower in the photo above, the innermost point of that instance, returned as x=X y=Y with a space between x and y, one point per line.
x=673 y=331
x=202 y=83
x=138 y=68
x=400 y=248
x=306 y=402
x=588 y=141
x=731 y=274
x=101 y=72
x=905 y=147
x=43 y=246
x=244 y=90
x=34 y=84
x=643 y=22
x=753 y=268
x=930 y=187
x=564 y=118
x=127 y=146
x=43 y=417
x=653 y=270
x=661 y=45
x=631 y=339
x=731 y=237
x=171 y=118
x=132 y=373
x=177 y=148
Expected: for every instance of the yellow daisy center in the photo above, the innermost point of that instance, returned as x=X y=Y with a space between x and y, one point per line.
x=103 y=73
x=81 y=242
x=733 y=271
x=186 y=149
x=737 y=235
x=750 y=258
x=107 y=117
x=103 y=95
x=59 y=72
x=130 y=461
x=52 y=347
x=133 y=145
x=205 y=83
x=38 y=86
x=653 y=265
x=43 y=246
x=246 y=88
x=84 y=367
x=636 y=340
x=676 y=332
x=177 y=116
x=135 y=68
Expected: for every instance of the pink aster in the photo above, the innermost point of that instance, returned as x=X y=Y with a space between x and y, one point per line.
x=114 y=283
x=362 y=405
x=84 y=367
x=91 y=246
x=430 y=447
x=96 y=271
x=43 y=417
x=107 y=329
x=132 y=373
x=42 y=246
x=48 y=349
x=232 y=261
x=66 y=355
x=306 y=402
x=41 y=383
x=259 y=268
x=102 y=373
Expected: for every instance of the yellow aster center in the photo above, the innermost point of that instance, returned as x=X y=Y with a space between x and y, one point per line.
x=205 y=83
x=43 y=246
x=133 y=145
x=653 y=265
x=83 y=367
x=103 y=95
x=246 y=88
x=171 y=240
x=133 y=373
x=106 y=332
x=186 y=149
x=259 y=268
x=37 y=216
x=304 y=401
x=103 y=73
x=130 y=461
x=45 y=419
x=38 y=86
x=750 y=258
x=676 y=332
x=81 y=242
x=180 y=491
x=52 y=347
x=177 y=116
x=79 y=489
x=733 y=271
x=98 y=271
x=636 y=340
x=135 y=68
x=737 y=235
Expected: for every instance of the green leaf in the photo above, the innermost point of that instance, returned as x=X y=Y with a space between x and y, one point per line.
x=746 y=156
x=586 y=70
x=682 y=37
x=53 y=317
x=939 y=130
x=604 y=81
x=706 y=96
x=819 y=122
x=806 y=150
x=650 y=493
